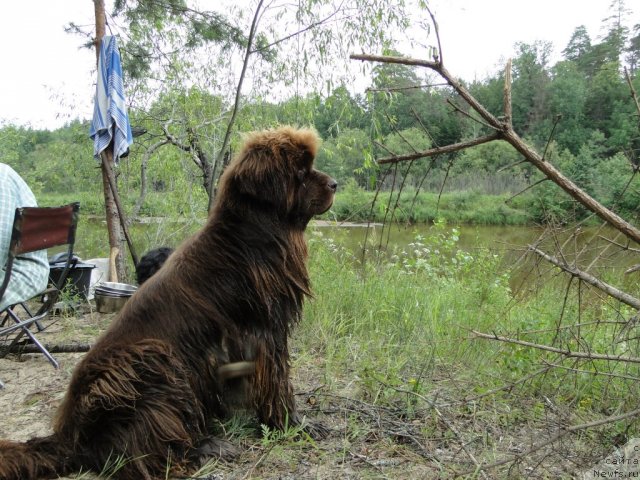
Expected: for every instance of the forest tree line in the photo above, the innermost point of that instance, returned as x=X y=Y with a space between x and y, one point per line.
x=579 y=111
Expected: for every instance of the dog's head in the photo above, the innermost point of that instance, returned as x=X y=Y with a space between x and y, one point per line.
x=274 y=169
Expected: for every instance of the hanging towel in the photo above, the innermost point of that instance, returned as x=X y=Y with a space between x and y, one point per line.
x=110 y=119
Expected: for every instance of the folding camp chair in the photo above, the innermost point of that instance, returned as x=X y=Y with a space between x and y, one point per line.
x=36 y=228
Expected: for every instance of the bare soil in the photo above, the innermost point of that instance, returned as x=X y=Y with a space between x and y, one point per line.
x=368 y=439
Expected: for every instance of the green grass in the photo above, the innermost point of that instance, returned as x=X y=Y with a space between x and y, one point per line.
x=401 y=322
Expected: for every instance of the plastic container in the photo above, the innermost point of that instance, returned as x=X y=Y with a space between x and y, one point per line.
x=79 y=275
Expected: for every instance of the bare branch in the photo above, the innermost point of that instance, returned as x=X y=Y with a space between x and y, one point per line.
x=619 y=245
x=443 y=419
x=174 y=140
x=383 y=147
x=435 y=27
x=466 y=114
x=634 y=95
x=528 y=187
x=424 y=128
x=444 y=182
x=511 y=165
x=299 y=32
x=400 y=89
x=509 y=135
x=590 y=279
x=399 y=60
x=440 y=150
x=507 y=387
x=236 y=104
x=592 y=372
x=556 y=120
x=635 y=268
x=507 y=93
x=566 y=353
x=596 y=323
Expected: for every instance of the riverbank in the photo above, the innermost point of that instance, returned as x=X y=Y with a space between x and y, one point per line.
x=351 y=205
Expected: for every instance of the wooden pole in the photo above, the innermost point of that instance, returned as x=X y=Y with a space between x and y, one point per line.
x=114 y=215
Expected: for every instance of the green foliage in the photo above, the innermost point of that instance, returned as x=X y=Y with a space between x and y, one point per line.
x=355 y=204
x=185 y=29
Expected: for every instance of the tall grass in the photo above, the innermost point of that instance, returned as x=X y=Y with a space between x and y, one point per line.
x=404 y=320
x=399 y=317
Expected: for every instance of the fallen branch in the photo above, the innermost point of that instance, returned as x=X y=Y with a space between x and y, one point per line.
x=443 y=419
x=508 y=134
x=634 y=95
x=528 y=187
x=592 y=372
x=63 y=348
x=590 y=279
x=506 y=92
x=566 y=353
x=402 y=89
x=507 y=387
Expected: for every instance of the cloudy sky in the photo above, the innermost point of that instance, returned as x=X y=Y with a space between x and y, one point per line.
x=47 y=79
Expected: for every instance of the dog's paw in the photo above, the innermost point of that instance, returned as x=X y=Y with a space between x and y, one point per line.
x=213 y=447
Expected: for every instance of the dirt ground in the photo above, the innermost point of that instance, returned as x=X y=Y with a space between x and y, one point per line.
x=366 y=441
x=33 y=389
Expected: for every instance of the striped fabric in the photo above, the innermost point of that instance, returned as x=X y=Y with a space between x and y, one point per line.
x=31 y=270
x=110 y=119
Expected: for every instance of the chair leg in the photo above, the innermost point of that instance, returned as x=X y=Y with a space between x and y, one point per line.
x=41 y=347
x=26 y=309
x=25 y=330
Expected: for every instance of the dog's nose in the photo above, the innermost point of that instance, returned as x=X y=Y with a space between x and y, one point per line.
x=333 y=185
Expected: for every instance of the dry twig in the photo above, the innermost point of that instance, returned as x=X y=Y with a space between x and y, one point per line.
x=560 y=434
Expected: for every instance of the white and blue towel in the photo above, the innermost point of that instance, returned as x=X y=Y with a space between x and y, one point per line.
x=110 y=119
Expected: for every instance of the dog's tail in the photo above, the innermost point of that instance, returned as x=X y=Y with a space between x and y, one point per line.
x=38 y=458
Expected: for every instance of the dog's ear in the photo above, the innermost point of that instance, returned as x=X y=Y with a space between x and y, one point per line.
x=262 y=175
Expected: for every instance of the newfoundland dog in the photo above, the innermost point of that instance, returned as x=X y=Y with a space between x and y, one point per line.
x=147 y=392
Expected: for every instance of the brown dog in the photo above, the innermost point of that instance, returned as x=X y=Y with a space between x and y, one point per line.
x=149 y=388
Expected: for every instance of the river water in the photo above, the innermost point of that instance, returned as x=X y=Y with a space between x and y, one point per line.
x=508 y=242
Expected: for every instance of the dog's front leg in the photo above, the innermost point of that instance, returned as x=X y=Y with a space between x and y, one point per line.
x=273 y=396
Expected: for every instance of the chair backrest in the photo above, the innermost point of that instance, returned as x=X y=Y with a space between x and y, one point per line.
x=37 y=228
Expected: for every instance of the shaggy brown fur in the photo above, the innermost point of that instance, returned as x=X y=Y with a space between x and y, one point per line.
x=149 y=388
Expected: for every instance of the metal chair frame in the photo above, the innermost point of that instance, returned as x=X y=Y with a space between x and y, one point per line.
x=37 y=228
